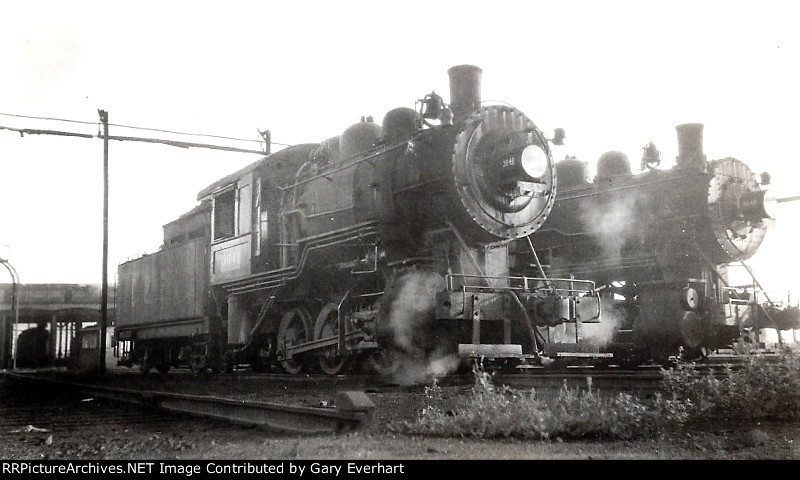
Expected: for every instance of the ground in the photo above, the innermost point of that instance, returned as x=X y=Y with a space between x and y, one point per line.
x=187 y=438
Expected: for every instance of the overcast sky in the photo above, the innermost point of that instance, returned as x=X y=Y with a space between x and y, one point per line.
x=613 y=74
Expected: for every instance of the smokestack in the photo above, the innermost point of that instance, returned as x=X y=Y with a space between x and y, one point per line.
x=465 y=90
x=690 y=146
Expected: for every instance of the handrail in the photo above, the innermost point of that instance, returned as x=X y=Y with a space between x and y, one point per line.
x=525 y=283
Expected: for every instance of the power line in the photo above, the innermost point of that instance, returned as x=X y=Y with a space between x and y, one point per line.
x=173 y=143
x=31 y=131
x=183 y=133
x=136 y=128
x=48 y=118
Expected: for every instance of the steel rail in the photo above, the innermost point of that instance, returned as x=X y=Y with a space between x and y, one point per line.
x=354 y=407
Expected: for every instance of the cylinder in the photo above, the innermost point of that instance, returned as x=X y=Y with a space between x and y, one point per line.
x=465 y=90
x=690 y=146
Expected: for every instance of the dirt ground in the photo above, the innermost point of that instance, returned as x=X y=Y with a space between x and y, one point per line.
x=192 y=439
x=759 y=442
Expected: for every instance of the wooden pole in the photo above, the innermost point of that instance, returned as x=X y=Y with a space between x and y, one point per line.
x=101 y=327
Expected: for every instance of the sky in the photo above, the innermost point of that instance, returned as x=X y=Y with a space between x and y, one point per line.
x=614 y=74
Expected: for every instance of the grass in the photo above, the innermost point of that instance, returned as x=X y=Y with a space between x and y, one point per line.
x=492 y=411
x=762 y=388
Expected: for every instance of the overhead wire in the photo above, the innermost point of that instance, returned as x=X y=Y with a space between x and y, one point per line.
x=33 y=131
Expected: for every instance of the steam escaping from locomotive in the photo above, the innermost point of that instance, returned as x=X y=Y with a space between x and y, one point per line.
x=426 y=348
x=412 y=307
x=614 y=224
x=417 y=370
x=604 y=332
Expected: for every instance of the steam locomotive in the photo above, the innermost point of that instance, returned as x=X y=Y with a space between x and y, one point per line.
x=658 y=244
x=419 y=240
x=384 y=242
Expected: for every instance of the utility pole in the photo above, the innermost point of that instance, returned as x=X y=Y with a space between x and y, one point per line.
x=101 y=327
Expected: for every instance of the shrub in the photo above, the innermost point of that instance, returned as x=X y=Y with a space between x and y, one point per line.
x=489 y=411
x=762 y=387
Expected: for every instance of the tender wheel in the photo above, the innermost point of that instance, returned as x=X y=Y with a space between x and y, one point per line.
x=294 y=330
x=146 y=363
x=198 y=361
x=162 y=367
x=327 y=325
x=384 y=361
x=161 y=360
x=226 y=362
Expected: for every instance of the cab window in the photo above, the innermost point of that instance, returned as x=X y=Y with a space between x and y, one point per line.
x=225 y=215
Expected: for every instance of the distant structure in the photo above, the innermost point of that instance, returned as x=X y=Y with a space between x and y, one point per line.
x=59 y=309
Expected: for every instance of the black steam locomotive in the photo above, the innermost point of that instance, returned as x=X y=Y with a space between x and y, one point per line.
x=418 y=239
x=658 y=244
x=386 y=241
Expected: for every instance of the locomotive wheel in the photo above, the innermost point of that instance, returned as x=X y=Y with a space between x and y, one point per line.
x=327 y=325
x=294 y=330
x=384 y=361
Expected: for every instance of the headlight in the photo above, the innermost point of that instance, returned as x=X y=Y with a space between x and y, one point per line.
x=534 y=161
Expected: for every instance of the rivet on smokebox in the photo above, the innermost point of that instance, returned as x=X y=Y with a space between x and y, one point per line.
x=353 y=402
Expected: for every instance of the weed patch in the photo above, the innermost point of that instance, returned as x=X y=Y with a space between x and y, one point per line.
x=492 y=411
x=762 y=387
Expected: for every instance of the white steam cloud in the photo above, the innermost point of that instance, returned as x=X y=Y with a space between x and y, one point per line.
x=411 y=307
x=427 y=355
x=613 y=318
x=416 y=370
x=614 y=223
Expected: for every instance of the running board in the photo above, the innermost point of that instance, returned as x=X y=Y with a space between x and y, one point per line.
x=485 y=350
x=583 y=355
x=574 y=350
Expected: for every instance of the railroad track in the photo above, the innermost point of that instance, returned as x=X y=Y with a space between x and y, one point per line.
x=353 y=408
x=28 y=407
x=179 y=391
x=644 y=377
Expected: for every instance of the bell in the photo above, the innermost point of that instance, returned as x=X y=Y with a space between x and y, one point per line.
x=432 y=106
x=651 y=156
